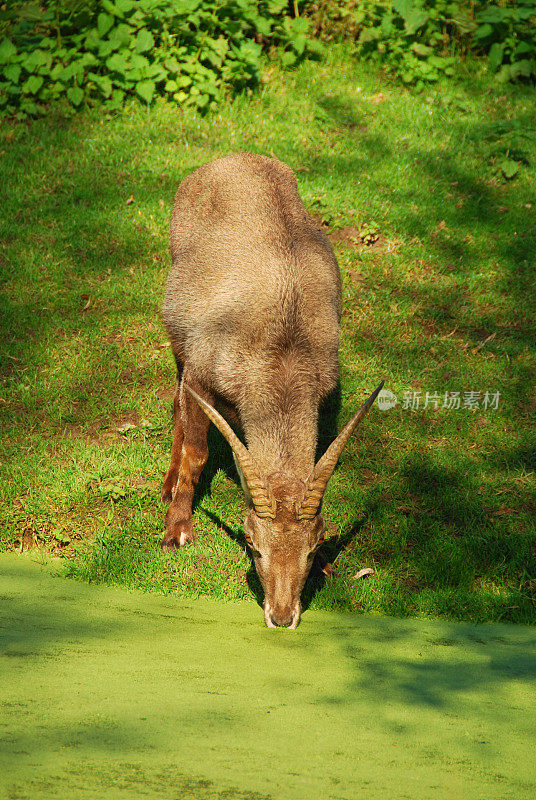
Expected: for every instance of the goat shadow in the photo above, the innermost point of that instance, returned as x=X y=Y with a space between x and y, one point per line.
x=220 y=458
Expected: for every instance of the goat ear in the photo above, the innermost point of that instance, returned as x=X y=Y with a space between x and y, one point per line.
x=318 y=480
x=261 y=497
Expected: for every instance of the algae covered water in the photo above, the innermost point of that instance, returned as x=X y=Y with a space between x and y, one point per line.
x=111 y=694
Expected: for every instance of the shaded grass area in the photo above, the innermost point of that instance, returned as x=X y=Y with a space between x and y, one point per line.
x=440 y=502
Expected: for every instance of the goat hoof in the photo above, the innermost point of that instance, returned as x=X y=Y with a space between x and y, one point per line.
x=181 y=535
x=168 y=546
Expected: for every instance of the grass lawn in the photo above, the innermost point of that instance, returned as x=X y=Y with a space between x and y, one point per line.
x=437 y=252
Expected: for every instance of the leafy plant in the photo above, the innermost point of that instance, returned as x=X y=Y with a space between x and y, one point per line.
x=508 y=35
x=506 y=146
x=420 y=40
x=369 y=233
x=415 y=39
x=190 y=51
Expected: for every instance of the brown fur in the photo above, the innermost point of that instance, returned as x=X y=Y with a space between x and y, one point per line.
x=252 y=309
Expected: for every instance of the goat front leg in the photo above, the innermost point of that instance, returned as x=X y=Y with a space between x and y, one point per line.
x=194 y=454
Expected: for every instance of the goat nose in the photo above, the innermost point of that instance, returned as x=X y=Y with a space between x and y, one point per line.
x=282 y=618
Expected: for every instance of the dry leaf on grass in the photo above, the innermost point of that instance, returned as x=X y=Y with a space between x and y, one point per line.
x=87 y=298
x=377 y=98
x=128 y=426
x=363 y=573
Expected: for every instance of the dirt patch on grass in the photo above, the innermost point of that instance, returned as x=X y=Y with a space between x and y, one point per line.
x=351 y=236
x=60 y=531
x=102 y=430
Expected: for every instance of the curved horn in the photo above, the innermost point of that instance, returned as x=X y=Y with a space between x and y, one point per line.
x=263 y=501
x=318 y=479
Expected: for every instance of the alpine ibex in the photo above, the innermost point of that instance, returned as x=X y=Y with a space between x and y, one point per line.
x=252 y=308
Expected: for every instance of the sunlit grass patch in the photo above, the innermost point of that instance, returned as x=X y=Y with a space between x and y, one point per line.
x=436 y=249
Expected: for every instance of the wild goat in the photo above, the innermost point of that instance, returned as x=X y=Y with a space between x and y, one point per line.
x=252 y=308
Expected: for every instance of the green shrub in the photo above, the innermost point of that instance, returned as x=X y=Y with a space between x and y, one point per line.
x=508 y=35
x=412 y=38
x=420 y=40
x=190 y=51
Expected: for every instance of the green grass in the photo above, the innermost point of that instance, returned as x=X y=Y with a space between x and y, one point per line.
x=441 y=503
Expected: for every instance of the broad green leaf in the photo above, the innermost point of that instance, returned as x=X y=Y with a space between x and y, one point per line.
x=139 y=61
x=483 y=31
x=214 y=59
x=156 y=71
x=171 y=86
x=145 y=89
x=75 y=95
x=116 y=100
x=288 y=58
x=299 y=43
x=415 y=20
x=33 y=84
x=276 y=6
x=92 y=40
x=220 y=45
x=35 y=60
x=495 y=56
x=521 y=69
x=504 y=74
x=202 y=100
x=120 y=36
x=7 y=51
x=124 y=6
x=263 y=26
x=75 y=69
x=12 y=72
x=105 y=48
x=421 y=49
x=183 y=81
x=172 y=65
x=144 y=41
x=297 y=26
x=87 y=60
x=112 y=8
x=104 y=84
x=404 y=7
x=509 y=168
x=492 y=14
x=524 y=48
x=134 y=75
x=104 y=23
x=117 y=63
